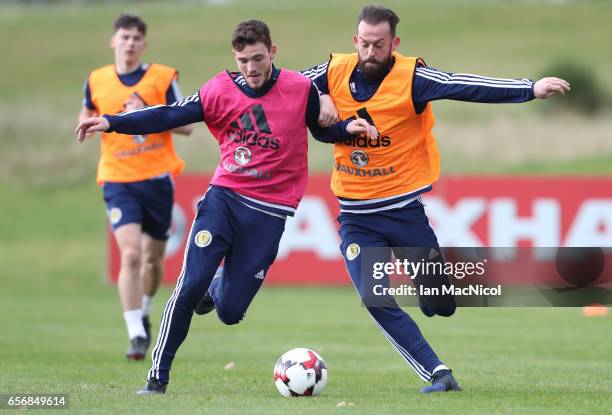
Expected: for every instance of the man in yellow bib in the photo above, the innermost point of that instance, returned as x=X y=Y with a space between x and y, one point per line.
x=379 y=180
x=136 y=171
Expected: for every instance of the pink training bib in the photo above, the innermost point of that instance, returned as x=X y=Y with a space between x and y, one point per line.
x=263 y=141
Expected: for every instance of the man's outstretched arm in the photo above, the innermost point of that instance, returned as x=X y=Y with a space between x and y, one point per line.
x=147 y=120
x=431 y=84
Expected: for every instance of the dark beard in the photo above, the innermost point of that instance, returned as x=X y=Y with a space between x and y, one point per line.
x=377 y=72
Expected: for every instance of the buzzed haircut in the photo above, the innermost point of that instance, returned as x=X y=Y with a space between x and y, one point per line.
x=373 y=14
x=250 y=32
x=128 y=21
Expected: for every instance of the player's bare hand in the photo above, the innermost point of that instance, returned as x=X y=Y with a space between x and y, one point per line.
x=134 y=102
x=91 y=125
x=547 y=87
x=328 y=114
x=361 y=126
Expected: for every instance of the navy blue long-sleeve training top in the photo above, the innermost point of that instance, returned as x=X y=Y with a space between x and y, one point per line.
x=430 y=84
x=159 y=118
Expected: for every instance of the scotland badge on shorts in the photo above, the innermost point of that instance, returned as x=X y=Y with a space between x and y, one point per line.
x=242 y=155
x=114 y=215
x=360 y=158
x=352 y=251
x=202 y=239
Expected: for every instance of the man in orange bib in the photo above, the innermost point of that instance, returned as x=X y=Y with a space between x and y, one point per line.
x=136 y=171
x=378 y=181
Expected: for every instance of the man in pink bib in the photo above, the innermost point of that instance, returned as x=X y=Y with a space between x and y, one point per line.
x=259 y=117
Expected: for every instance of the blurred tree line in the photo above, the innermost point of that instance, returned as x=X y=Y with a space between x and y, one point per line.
x=587 y=95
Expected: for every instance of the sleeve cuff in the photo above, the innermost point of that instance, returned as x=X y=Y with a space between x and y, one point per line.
x=345 y=124
x=109 y=118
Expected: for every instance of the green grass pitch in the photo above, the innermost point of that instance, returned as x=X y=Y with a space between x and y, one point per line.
x=62 y=332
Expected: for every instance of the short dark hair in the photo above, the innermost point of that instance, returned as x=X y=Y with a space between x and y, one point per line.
x=128 y=21
x=374 y=14
x=250 y=32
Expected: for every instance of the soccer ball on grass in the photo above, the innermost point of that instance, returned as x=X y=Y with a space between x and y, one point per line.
x=300 y=372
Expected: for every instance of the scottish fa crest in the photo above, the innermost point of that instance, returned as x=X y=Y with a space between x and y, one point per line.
x=359 y=158
x=114 y=215
x=242 y=155
x=352 y=251
x=202 y=239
